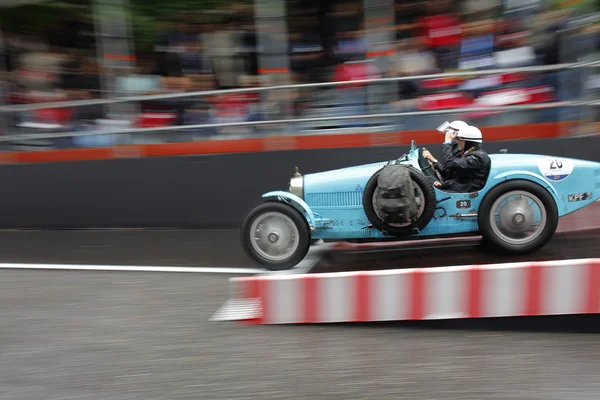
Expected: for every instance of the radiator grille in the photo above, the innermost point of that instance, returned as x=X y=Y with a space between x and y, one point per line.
x=335 y=199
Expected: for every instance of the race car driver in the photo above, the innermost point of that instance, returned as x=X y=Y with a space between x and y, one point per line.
x=454 y=127
x=465 y=170
x=447 y=128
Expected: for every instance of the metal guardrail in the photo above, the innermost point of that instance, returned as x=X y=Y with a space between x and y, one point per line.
x=541 y=106
x=81 y=103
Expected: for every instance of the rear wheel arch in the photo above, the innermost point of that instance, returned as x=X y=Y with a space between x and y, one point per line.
x=527 y=176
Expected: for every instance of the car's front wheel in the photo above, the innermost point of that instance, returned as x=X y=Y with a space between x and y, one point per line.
x=518 y=217
x=275 y=236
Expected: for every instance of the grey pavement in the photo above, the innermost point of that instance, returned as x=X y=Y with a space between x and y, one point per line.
x=202 y=248
x=140 y=335
x=91 y=335
x=221 y=248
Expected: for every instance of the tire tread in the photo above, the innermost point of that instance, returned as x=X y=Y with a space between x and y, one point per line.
x=297 y=218
x=518 y=184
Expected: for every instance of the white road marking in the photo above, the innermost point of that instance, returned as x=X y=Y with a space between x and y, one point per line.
x=133 y=268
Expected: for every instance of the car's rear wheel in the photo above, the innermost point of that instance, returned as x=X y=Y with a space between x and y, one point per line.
x=275 y=236
x=518 y=216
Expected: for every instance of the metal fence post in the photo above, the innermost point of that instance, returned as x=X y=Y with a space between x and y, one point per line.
x=379 y=22
x=577 y=44
x=113 y=49
x=273 y=60
x=4 y=124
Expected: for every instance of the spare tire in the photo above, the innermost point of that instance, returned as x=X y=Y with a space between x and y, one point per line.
x=426 y=205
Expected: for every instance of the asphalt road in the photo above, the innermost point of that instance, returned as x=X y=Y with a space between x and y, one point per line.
x=213 y=249
x=92 y=335
x=139 y=335
x=577 y=237
x=200 y=248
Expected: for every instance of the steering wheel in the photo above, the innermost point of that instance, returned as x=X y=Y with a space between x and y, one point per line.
x=435 y=171
x=427 y=167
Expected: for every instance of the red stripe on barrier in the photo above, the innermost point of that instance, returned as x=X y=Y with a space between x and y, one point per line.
x=63 y=155
x=417 y=295
x=325 y=141
x=251 y=290
x=533 y=282
x=474 y=297
x=592 y=305
x=265 y=301
x=310 y=298
x=207 y=147
x=363 y=295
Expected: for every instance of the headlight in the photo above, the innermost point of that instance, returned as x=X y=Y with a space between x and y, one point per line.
x=297 y=185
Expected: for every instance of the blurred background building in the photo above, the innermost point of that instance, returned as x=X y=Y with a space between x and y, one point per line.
x=90 y=49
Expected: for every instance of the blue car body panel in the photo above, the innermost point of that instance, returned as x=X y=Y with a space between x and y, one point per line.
x=333 y=199
x=295 y=201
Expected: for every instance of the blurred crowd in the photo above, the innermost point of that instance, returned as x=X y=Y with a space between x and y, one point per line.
x=325 y=42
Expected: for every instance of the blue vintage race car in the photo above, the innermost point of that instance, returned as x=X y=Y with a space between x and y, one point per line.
x=517 y=211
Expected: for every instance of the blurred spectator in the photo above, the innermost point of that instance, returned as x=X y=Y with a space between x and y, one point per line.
x=477 y=10
x=237 y=107
x=83 y=83
x=224 y=46
x=198 y=110
x=40 y=70
x=306 y=56
x=413 y=57
x=442 y=28
x=218 y=49
x=477 y=46
x=346 y=17
x=351 y=45
x=352 y=98
x=407 y=16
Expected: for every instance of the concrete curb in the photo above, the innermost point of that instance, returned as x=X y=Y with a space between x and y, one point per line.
x=470 y=291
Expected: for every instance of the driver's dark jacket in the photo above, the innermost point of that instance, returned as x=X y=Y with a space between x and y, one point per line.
x=463 y=172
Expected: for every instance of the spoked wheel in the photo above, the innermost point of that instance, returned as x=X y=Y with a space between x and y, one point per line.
x=275 y=236
x=518 y=216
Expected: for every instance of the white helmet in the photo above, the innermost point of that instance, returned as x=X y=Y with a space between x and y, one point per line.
x=470 y=133
x=458 y=125
x=454 y=125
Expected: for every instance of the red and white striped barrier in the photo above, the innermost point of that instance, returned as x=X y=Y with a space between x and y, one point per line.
x=474 y=291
